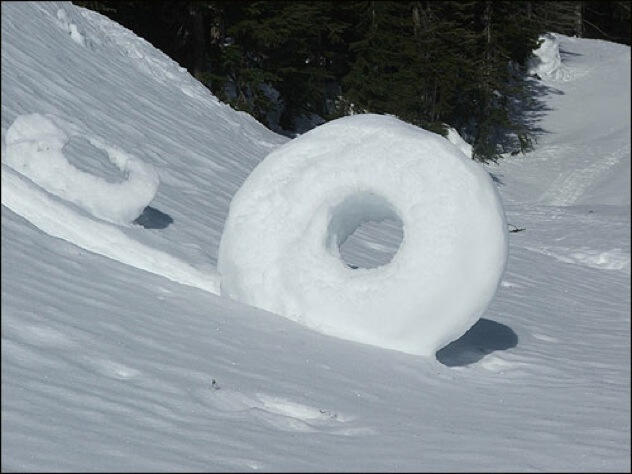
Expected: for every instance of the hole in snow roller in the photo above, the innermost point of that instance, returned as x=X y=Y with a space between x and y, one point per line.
x=280 y=246
x=365 y=231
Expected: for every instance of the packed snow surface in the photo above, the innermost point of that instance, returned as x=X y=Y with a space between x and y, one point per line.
x=280 y=249
x=110 y=345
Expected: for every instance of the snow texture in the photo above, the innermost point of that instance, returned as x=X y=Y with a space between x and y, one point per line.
x=280 y=249
x=34 y=147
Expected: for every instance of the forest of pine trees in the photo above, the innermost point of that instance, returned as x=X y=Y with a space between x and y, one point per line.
x=431 y=63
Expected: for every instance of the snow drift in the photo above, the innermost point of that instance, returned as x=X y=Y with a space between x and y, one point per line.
x=280 y=246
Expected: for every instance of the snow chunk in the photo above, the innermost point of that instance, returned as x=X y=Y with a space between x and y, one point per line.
x=69 y=27
x=456 y=139
x=34 y=147
x=280 y=246
x=547 y=62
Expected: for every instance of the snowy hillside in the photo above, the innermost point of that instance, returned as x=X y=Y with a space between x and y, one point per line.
x=118 y=355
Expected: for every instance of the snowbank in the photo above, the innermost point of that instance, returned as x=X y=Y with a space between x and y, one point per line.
x=34 y=147
x=280 y=246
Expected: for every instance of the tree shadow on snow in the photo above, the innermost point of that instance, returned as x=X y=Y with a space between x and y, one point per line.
x=496 y=179
x=569 y=53
x=152 y=218
x=530 y=109
x=485 y=337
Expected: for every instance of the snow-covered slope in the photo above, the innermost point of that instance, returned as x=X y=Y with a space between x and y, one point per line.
x=110 y=366
x=583 y=151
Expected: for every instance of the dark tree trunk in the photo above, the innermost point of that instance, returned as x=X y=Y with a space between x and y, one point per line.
x=579 y=19
x=199 y=40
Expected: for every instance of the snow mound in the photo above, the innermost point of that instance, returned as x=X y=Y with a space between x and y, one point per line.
x=547 y=62
x=280 y=246
x=34 y=147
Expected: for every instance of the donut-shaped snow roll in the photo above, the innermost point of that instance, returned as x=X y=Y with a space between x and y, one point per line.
x=280 y=246
x=34 y=148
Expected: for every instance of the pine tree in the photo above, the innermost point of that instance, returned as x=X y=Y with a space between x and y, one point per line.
x=430 y=63
x=503 y=41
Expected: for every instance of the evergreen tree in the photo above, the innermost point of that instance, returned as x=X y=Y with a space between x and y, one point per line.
x=430 y=63
x=503 y=41
x=293 y=47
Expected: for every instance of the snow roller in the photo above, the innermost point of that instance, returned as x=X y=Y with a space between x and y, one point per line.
x=280 y=249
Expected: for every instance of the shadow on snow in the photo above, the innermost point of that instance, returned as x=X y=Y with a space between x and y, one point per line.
x=152 y=218
x=485 y=337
